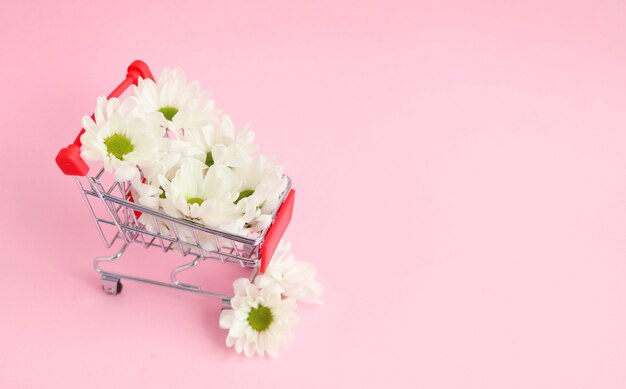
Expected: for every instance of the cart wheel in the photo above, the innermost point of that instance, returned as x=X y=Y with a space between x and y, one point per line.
x=112 y=285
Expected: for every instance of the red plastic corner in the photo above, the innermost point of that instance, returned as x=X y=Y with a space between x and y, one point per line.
x=276 y=231
x=70 y=162
x=139 y=69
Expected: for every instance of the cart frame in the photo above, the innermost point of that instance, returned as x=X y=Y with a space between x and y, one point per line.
x=119 y=218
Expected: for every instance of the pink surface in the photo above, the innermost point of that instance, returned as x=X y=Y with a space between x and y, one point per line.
x=461 y=176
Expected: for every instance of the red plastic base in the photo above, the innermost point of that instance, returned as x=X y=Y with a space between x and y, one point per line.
x=276 y=231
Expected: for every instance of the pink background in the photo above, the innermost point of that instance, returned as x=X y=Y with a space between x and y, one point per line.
x=461 y=176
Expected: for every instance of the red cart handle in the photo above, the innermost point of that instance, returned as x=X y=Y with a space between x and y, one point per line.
x=68 y=158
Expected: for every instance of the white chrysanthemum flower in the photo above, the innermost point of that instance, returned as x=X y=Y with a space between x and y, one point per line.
x=262 y=184
x=145 y=193
x=182 y=104
x=260 y=321
x=170 y=155
x=296 y=278
x=218 y=142
x=146 y=190
x=122 y=137
x=207 y=197
x=158 y=225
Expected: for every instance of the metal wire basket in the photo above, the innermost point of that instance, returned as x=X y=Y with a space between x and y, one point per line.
x=119 y=219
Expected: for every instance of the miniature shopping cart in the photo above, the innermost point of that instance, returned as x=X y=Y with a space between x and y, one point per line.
x=117 y=218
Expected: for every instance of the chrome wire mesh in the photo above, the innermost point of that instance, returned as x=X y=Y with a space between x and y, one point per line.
x=118 y=217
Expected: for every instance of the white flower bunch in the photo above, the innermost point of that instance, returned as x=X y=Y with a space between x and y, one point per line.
x=263 y=311
x=184 y=157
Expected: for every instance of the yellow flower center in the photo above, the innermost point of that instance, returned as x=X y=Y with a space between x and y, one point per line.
x=169 y=112
x=209 y=159
x=260 y=318
x=243 y=194
x=118 y=145
x=195 y=200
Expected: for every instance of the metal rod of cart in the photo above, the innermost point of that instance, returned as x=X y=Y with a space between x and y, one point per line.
x=120 y=220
